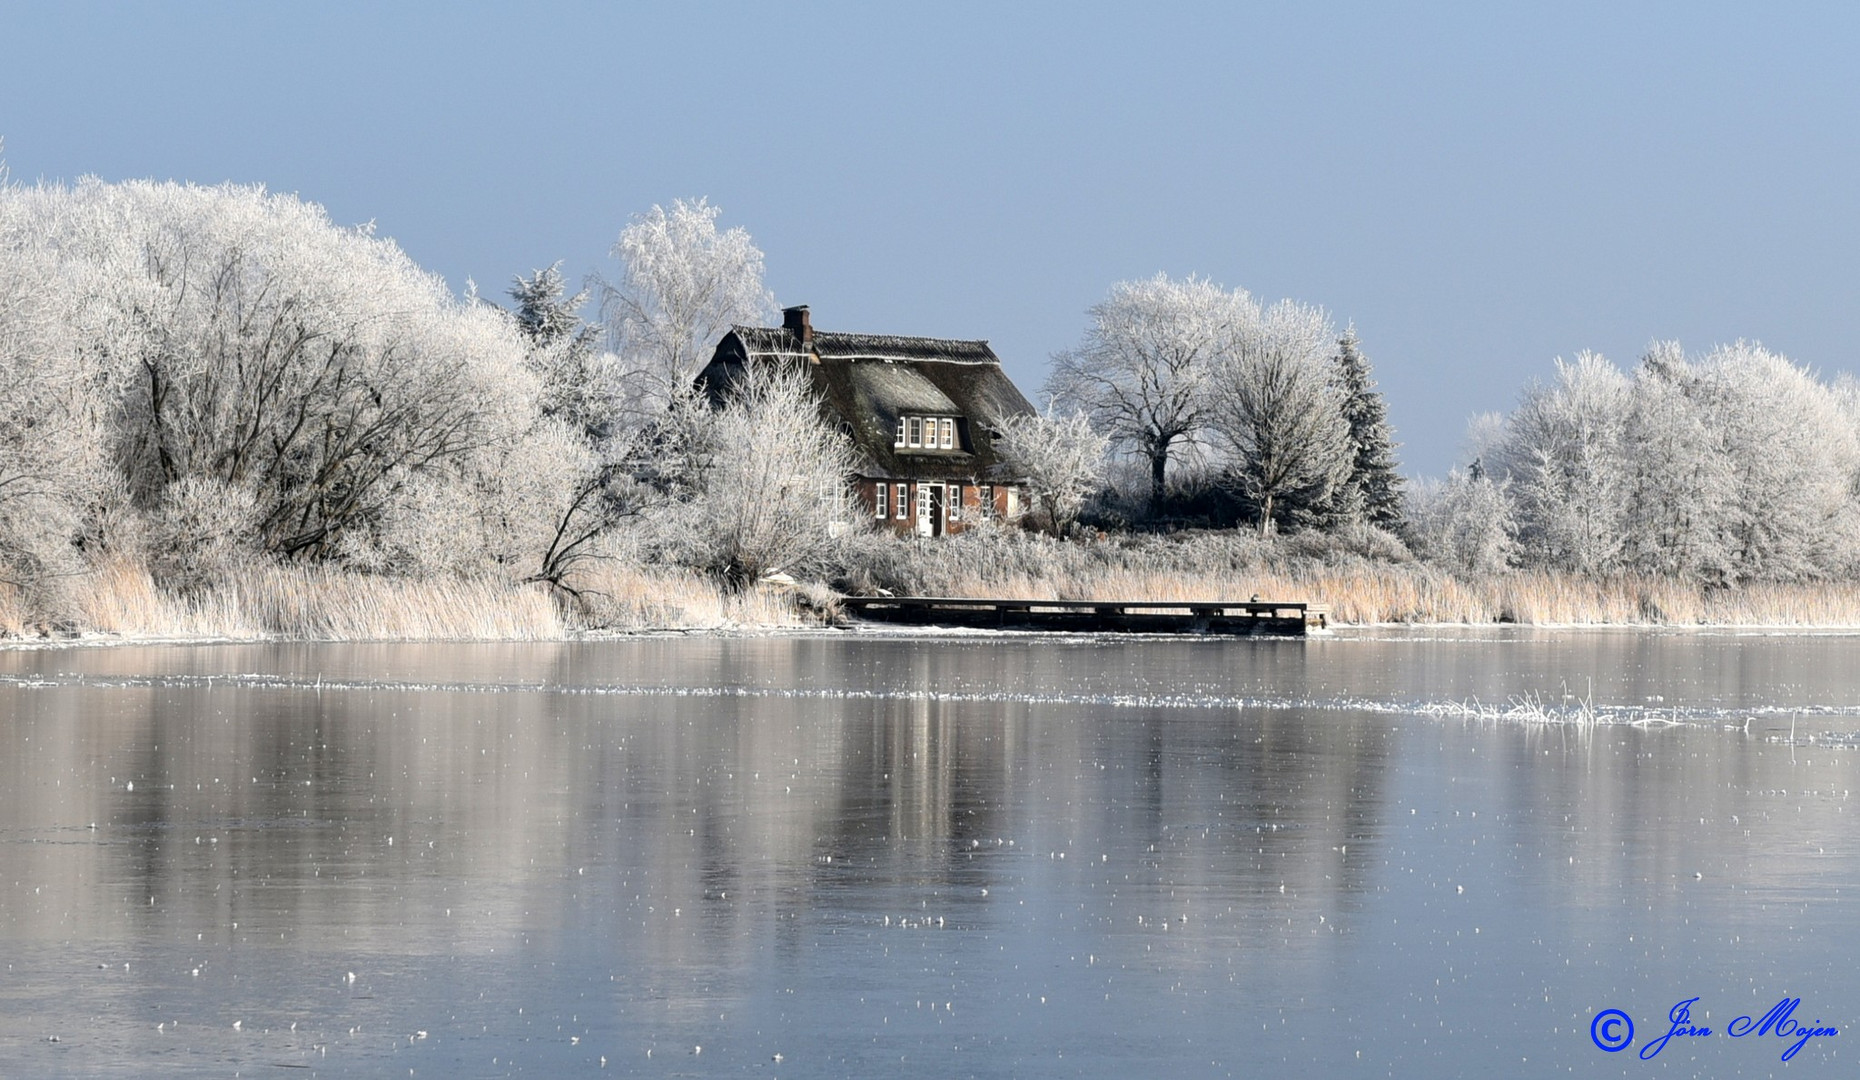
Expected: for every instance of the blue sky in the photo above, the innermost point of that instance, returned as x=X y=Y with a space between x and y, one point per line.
x=1480 y=187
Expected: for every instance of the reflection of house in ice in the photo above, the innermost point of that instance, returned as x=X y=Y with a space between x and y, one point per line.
x=918 y=409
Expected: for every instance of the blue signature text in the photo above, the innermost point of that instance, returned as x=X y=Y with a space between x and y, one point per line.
x=1613 y=1030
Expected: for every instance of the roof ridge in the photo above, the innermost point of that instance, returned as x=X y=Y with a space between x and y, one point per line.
x=818 y=334
x=898 y=337
x=849 y=346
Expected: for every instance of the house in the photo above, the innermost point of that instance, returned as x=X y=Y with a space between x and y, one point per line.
x=918 y=410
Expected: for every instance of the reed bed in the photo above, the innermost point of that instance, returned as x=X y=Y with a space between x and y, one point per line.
x=1360 y=585
x=315 y=603
x=619 y=596
x=268 y=601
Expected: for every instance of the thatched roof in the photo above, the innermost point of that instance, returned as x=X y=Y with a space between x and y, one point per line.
x=869 y=381
x=772 y=341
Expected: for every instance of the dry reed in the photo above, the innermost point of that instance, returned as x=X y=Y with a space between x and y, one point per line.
x=318 y=604
x=1358 y=590
x=313 y=603
x=619 y=596
x=121 y=598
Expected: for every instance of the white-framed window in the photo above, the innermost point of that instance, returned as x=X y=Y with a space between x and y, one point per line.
x=985 y=500
x=917 y=427
x=902 y=502
x=900 y=439
x=947 y=433
x=878 y=498
x=955 y=502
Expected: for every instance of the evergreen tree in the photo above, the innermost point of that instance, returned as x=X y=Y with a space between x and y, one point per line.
x=1373 y=485
x=577 y=385
x=544 y=315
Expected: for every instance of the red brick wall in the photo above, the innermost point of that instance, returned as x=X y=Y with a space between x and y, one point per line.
x=971 y=505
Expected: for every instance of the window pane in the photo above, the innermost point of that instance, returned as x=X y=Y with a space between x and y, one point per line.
x=878 y=499
x=955 y=502
x=903 y=502
x=949 y=430
x=900 y=440
x=916 y=429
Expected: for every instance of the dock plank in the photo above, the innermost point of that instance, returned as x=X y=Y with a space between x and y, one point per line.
x=1237 y=617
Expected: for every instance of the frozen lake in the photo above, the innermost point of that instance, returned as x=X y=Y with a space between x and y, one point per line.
x=1368 y=855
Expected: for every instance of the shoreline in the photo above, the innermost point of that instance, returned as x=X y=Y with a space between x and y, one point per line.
x=120 y=604
x=885 y=631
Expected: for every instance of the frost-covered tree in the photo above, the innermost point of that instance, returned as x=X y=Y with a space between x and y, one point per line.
x=1142 y=371
x=752 y=483
x=1735 y=466
x=200 y=533
x=237 y=341
x=1276 y=411
x=1059 y=457
x=51 y=429
x=1793 y=457
x=1679 y=483
x=546 y=314
x=683 y=284
x=1563 y=455
x=580 y=384
x=583 y=387
x=1465 y=523
x=1373 y=487
x=1371 y=492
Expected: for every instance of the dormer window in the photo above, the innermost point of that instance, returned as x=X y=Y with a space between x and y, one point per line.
x=926 y=433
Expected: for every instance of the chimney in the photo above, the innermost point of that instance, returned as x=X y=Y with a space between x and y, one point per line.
x=796 y=319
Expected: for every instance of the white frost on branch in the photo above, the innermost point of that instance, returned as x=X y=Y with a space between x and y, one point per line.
x=1737 y=465
x=1563 y=455
x=752 y=484
x=1466 y=523
x=1277 y=411
x=1142 y=371
x=683 y=283
x=228 y=340
x=1059 y=458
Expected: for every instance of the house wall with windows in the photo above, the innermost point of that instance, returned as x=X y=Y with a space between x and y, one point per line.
x=932 y=508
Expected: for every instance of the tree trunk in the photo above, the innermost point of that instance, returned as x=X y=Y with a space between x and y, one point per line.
x=1265 y=517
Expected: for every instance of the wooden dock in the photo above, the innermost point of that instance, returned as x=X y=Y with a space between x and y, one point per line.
x=1248 y=618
